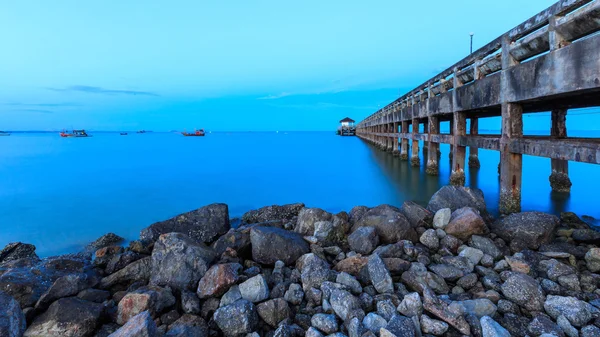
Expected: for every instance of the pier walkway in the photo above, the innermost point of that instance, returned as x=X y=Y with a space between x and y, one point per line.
x=550 y=62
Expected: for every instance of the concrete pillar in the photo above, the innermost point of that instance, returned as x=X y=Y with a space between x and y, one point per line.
x=451 y=154
x=510 y=163
x=404 y=147
x=390 y=139
x=474 y=151
x=395 y=151
x=559 y=178
x=458 y=159
x=432 y=154
x=414 y=159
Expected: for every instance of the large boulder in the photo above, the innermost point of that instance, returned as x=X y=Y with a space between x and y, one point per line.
x=179 y=262
x=137 y=271
x=17 y=250
x=68 y=285
x=12 y=320
x=67 y=317
x=203 y=225
x=379 y=275
x=270 y=244
x=392 y=226
x=151 y=298
x=364 y=240
x=531 y=229
x=141 y=325
x=105 y=240
x=218 y=279
x=237 y=239
x=525 y=291
x=577 y=312
x=464 y=223
x=308 y=217
x=271 y=213
x=237 y=318
x=440 y=309
x=455 y=197
x=417 y=215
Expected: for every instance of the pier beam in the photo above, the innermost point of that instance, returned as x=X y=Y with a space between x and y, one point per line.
x=458 y=159
x=414 y=159
x=390 y=140
x=404 y=147
x=474 y=151
x=559 y=178
x=395 y=151
x=432 y=153
x=510 y=163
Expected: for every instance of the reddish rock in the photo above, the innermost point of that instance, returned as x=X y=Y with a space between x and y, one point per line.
x=440 y=309
x=151 y=298
x=352 y=265
x=465 y=222
x=218 y=279
x=396 y=265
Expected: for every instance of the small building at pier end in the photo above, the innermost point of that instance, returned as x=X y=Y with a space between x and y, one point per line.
x=346 y=127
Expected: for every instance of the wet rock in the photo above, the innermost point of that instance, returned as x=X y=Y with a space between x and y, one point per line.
x=151 y=298
x=202 y=225
x=94 y=295
x=590 y=236
x=430 y=239
x=270 y=213
x=325 y=323
x=274 y=311
x=179 y=262
x=391 y=225
x=380 y=276
x=255 y=289
x=442 y=218
x=68 y=285
x=417 y=215
x=576 y=311
x=577 y=251
x=479 y=307
x=433 y=326
x=592 y=260
x=271 y=244
x=532 y=229
x=136 y=271
x=104 y=255
x=344 y=303
x=188 y=326
x=455 y=197
x=142 y=325
x=236 y=239
x=237 y=318
x=218 y=279
x=105 y=240
x=439 y=309
x=364 y=240
x=120 y=261
x=464 y=223
x=12 y=319
x=307 y=219
x=525 y=291
x=71 y=317
x=17 y=250
x=491 y=328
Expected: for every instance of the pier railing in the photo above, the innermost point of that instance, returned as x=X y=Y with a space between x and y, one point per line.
x=550 y=62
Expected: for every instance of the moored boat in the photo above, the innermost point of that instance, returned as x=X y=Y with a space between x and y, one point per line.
x=74 y=133
x=196 y=133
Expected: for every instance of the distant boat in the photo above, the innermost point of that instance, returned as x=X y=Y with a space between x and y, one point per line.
x=197 y=133
x=123 y=133
x=142 y=131
x=2 y=133
x=74 y=133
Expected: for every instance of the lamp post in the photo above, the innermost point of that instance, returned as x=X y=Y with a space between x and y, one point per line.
x=471 y=34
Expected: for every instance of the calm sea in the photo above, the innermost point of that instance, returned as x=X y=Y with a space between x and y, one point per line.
x=60 y=194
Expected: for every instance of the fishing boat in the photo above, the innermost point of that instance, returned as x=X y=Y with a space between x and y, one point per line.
x=196 y=133
x=2 y=133
x=74 y=133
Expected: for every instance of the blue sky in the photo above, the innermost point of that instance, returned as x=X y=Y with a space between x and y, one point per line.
x=229 y=65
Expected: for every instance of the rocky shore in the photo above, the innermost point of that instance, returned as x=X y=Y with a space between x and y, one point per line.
x=448 y=269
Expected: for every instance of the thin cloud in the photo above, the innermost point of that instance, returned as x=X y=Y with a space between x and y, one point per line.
x=283 y=94
x=98 y=90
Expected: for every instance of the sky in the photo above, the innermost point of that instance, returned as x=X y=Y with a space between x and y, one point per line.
x=230 y=65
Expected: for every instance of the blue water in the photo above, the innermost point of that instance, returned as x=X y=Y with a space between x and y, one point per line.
x=60 y=194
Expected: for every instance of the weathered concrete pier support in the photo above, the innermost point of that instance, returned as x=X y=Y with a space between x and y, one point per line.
x=547 y=63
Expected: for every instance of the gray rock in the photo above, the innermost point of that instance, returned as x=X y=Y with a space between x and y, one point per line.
x=17 y=250
x=120 y=261
x=355 y=328
x=307 y=219
x=479 y=307
x=152 y=298
x=486 y=245
x=542 y=324
x=464 y=223
x=274 y=311
x=314 y=271
x=433 y=326
x=364 y=240
x=417 y=215
x=430 y=239
x=237 y=318
x=442 y=218
x=270 y=244
x=271 y=213
x=473 y=254
x=94 y=295
x=590 y=331
x=592 y=259
x=202 y=225
x=491 y=328
x=418 y=277
x=105 y=240
x=401 y=326
x=555 y=269
x=190 y=303
x=294 y=294
x=374 y=322
x=179 y=262
x=438 y=308
x=232 y=295
x=312 y=332
x=71 y=317
x=349 y=281
x=576 y=311
x=188 y=326
x=525 y=291
x=255 y=289
x=12 y=320
x=379 y=274
x=411 y=305
x=392 y=226
x=218 y=279
x=590 y=236
x=532 y=229
x=468 y=281
x=68 y=285
x=325 y=323
x=142 y=325
x=455 y=197
x=447 y=272
x=566 y=326
x=386 y=309
x=344 y=304
x=391 y=250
